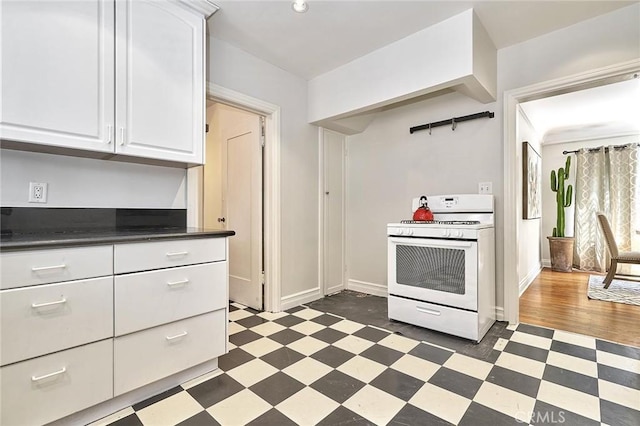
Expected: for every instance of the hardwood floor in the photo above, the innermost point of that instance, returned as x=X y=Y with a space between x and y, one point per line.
x=559 y=300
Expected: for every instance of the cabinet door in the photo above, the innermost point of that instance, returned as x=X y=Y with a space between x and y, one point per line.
x=44 y=389
x=147 y=299
x=159 y=81
x=47 y=318
x=57 y=79
x=149 y=355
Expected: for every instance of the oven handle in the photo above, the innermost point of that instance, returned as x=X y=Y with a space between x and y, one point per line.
x=428 y=311
x=428 y=242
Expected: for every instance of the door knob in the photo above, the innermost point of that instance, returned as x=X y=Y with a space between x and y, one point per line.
x=222 y=219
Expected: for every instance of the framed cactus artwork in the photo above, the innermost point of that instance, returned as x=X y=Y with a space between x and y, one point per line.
x=531 y=182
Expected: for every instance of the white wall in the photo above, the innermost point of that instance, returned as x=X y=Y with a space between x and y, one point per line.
x=84 y=182
x=235 y=69
x=552 y=159
x=529 y=230
x=598 y=42
x=605 y=40
x=387 y=167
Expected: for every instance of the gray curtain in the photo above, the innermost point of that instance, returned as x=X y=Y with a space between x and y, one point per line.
x=606 y=181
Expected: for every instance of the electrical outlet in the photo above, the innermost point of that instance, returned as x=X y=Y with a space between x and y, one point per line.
x=37 y=192
x=485 y=188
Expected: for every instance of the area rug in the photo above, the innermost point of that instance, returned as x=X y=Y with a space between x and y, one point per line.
x=620 y=291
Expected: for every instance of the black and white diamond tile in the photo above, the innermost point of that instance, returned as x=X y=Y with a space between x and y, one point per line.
x=308 y=367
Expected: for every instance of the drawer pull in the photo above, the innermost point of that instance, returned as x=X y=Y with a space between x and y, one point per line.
x=46 y=376
x=176 y=283
x=178 y=253
x=42 y=305
x=428 y=311
x=177 y=336
x=46 y=268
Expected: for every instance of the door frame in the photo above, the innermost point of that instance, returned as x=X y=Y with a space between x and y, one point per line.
x=271 y=182
x=513 y=167
x=322 y=212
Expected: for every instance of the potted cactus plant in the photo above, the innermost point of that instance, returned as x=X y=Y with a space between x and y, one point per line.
x=561 y=247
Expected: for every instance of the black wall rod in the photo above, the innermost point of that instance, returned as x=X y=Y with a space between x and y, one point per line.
x=606 y=149
x=452 y=121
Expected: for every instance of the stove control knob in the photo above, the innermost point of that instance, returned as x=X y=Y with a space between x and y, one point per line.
x=400 y=231
x=445 y=232
x=458 y=233
x=409 y=232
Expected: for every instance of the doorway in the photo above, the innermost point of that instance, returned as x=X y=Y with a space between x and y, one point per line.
x=512 y=194
x=233 y=195
x=271 y=190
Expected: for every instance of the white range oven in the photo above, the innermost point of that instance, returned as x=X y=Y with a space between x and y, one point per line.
x=441 y=273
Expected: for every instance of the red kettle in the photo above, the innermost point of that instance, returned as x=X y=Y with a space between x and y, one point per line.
x=423 y=213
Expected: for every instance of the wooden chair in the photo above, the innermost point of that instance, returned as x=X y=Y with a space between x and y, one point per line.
x=616 y=255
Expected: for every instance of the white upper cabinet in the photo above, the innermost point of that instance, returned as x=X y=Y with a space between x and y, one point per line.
x=124 y=77
x=159 y=80
x=57 y=73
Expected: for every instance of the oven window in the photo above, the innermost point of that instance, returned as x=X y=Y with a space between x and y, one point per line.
x=431 y=268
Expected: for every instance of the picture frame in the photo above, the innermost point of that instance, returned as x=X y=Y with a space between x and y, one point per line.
x=531 y=182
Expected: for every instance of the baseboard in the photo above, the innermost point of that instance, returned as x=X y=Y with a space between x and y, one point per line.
x=526 y=281
x=546 y=263
x=368 y=288
x=300 y=298
x=499 y=313
x=335 y=289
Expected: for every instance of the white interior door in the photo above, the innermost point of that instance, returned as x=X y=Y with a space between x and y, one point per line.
x=242 y=206
x=334 y=227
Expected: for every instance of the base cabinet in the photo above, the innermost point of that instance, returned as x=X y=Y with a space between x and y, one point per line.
x=47 y=388
x=116 y=339
x=149 y=355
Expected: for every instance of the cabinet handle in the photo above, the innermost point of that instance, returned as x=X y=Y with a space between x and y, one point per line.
x=121 y=135
x=175 y=283
x=42 y=305
x=177 y=336
x=178 y=253
x=46 y=268
x=109 y=133
x=46 y=376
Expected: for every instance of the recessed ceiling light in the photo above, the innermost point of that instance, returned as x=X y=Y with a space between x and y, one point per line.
x=300 y=6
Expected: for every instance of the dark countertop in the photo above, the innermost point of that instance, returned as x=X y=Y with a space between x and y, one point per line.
x=60 y=238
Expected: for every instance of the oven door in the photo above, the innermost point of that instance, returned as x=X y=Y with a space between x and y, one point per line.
x=434 y=270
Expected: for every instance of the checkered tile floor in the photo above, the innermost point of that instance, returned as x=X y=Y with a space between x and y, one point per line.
x=307 y=367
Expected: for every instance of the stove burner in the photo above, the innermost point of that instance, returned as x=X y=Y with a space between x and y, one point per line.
x=442 y=222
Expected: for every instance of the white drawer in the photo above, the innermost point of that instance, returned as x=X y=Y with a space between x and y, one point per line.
x=146 y=356
x=25 y=268
x=435 y=317
x=165 y=254
x=48 y=318
x=83 y=379
x=147 y=299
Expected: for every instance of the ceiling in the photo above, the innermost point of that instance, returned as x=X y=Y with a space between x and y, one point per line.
x=604 y=111
x=333 y=33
